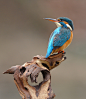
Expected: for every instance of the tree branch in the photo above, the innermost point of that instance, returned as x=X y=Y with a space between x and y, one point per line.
x=32 y=69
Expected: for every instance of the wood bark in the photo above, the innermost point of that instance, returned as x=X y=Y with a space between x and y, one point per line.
x=32 y=69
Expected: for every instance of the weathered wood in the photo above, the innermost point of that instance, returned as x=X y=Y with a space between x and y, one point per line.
x=32 y=69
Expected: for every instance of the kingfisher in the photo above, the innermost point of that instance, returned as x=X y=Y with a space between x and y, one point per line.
x=61 y=37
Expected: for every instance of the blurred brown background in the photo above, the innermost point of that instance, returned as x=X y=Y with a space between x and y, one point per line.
x=24 y=34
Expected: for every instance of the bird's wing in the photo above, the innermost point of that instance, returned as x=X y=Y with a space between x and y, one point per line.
x=62 y=37
x=56 y=31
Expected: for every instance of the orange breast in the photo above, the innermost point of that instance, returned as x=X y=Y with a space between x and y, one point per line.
x=67 y=43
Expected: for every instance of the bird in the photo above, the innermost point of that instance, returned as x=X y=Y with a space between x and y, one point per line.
x=61 y=37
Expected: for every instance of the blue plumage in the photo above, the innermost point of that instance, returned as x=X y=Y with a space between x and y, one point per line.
x=60 y=35
x=70 y=22
x=57 y=39
x=50 y=44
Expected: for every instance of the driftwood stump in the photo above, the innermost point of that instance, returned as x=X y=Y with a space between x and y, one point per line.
x=32 y=69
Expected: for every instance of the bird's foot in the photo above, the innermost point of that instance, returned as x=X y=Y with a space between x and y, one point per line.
x=61 y=52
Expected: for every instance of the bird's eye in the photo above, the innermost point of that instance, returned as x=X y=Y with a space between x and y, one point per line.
x=59 y=20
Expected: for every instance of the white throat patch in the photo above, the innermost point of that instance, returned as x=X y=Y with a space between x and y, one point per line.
x=69 y=26
x=57 y=24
